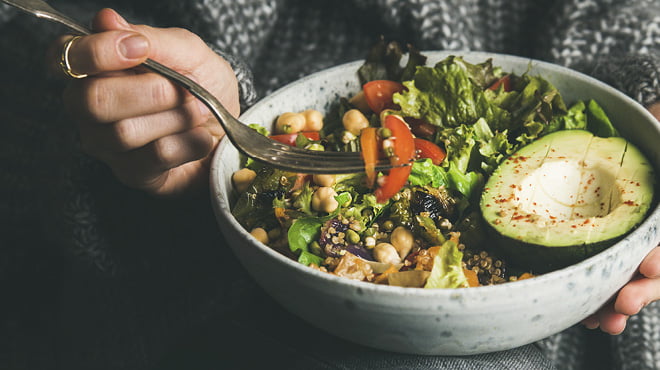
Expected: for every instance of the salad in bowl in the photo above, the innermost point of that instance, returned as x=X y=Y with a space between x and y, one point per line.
x=495 y=178
x=495 y=315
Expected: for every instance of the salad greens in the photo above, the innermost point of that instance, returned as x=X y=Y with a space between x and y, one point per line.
x=450 y=94
x=301 y=234
x=383 y=62
x=447 y=271
x=478 y=115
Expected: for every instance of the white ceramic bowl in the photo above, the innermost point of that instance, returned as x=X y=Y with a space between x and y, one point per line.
x=441 y=322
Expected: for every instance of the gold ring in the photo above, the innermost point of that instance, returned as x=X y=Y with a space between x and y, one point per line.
x=64 y=59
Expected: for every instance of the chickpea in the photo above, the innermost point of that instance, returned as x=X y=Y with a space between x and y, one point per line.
x=324 y=199
x=313 y=120
x=290 y=123
x=242 y=179
x=354 y=121
x=260 y=234
x=386 y=253
x=402 y=240
x=359 y=101
x=324 y=180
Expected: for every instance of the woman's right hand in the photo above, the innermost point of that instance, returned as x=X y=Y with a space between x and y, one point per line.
x=153 y=134
x=643 y=289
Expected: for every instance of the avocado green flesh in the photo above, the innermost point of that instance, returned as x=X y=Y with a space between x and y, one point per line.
x=568 y=189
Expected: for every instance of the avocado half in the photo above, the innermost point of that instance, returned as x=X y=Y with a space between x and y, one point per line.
x=565 y=197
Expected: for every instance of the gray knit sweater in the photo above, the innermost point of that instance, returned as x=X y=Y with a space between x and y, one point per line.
x=94 y=275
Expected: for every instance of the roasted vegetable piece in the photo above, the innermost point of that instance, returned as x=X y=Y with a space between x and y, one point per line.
x=254 y=207
x=353 y=267
x=435 y=203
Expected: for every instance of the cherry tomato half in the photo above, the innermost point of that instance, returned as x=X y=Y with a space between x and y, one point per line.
x=403 y=148
x=378 y=94
x=290 y=139
x=427 y=149
x=505 y=81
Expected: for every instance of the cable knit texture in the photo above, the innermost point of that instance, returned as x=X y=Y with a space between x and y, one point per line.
x=98 y=276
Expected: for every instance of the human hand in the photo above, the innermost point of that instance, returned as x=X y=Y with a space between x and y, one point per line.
x=154 y=135
x=643 y=289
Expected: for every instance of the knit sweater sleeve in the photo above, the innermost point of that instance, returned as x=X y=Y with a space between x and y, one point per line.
x=53 y=198
x=617 y=42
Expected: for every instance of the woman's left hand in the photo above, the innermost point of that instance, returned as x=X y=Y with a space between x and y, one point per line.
x=643 y=289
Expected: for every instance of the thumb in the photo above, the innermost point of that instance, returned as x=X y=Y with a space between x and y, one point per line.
x=655 y=110
x=166 y=44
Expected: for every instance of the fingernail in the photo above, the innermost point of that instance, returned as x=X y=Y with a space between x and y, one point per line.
x=134 y=47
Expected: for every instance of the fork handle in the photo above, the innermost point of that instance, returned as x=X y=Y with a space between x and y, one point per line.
x=55 y=16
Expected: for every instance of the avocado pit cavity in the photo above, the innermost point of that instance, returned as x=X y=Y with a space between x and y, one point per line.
x=568 y=190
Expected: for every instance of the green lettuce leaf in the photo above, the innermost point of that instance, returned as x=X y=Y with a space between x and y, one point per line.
x=424 y=172
x=364 y=209
x=581 y=116
x=352 y=182
x=493 y=147
x=447 y=95
x=254 y=207
x=260 y=129
x=598 y=122
x=472 y=150
x=467 y=183
x=460 y=144
x=303 y=201
x=447 y=271
x=533 y=103
x=302 y=232
x=575 y=118
x=307 y=258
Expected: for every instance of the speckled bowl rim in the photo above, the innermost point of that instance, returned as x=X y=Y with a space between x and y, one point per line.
x=222 y=207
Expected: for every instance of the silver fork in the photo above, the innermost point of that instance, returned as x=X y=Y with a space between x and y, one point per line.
x=244 y=138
